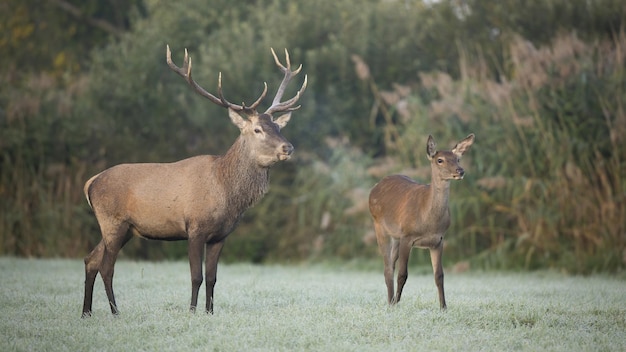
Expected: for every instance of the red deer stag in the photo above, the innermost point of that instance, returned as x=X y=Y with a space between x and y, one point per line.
x=199 y=199
x=408 y=214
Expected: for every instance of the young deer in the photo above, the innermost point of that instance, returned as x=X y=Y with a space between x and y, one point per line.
x=408 y=214
x=199 y=199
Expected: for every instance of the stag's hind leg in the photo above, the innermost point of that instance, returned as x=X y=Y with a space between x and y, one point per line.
x=92 y=267
x=114 y=239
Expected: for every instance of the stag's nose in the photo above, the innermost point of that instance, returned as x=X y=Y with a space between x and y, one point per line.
x=287 y=148
x=460 y=171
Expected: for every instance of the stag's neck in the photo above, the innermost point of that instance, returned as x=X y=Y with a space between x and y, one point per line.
x=245 y=180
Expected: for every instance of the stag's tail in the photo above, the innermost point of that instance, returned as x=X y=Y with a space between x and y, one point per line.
x=88 y=187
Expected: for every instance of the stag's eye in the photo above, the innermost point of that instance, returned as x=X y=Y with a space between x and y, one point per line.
x=257 y=130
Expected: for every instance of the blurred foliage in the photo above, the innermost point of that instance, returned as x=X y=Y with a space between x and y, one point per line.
x=56 y=36
x=538 y=81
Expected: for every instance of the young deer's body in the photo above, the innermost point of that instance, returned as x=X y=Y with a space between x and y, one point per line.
x=199 y=199
x=407 y=214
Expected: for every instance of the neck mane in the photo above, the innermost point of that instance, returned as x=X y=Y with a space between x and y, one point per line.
x=245 y=180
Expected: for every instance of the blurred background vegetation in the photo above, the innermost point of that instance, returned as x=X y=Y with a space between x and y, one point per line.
x=542 y=83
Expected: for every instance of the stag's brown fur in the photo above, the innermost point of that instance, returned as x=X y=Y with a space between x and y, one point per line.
x=199 y=199
x=407 y=214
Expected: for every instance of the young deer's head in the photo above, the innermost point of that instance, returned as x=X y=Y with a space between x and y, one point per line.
x=445 y=164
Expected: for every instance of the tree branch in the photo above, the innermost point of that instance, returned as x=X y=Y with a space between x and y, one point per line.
x=76 y=12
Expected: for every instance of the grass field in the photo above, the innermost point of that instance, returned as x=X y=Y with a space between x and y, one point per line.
x=297 y=308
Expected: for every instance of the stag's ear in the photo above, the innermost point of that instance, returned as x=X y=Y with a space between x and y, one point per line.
x=282 y=120
x=463 y=146
x=237 y=119
x=431 y=147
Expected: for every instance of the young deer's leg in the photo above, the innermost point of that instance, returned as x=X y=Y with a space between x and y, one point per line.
x=435 y=258
x=394 y=252
x=113 y=243
x=92 y=266
x=404 y=252
x=196 y=250
x=385 y=250
x=213 y=252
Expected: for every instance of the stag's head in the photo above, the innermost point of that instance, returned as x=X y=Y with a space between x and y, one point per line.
x=261 y=132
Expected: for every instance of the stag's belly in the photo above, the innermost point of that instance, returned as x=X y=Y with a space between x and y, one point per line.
x=211 y=225
x=159 y=228
x=155 y=217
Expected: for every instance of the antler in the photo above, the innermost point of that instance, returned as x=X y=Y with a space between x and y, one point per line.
x=277 y=106
x=185 y=72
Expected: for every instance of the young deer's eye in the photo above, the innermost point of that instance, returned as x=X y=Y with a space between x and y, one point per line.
x=440 y=161
x=257 y=130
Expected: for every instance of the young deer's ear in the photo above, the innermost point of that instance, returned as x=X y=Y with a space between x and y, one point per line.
x=282 y=120
x=237 y=119
x=463 y=146
x=431 y=147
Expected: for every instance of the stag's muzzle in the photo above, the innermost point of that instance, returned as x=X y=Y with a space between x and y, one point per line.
x=287 y=150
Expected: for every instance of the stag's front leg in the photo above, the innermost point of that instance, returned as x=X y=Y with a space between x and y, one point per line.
x=436 y=260
x=213 y=252
x=195 y=250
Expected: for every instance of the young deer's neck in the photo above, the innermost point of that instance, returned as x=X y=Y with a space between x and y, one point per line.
x=439 y=194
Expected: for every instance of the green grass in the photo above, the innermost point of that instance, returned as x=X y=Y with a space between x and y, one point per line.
x=317 y=307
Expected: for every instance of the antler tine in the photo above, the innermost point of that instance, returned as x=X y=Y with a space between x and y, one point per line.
x=258 y=101
x=288 y=61
x=221 y=95
x=170 y=63
x=186 y=61
x=285 y=106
